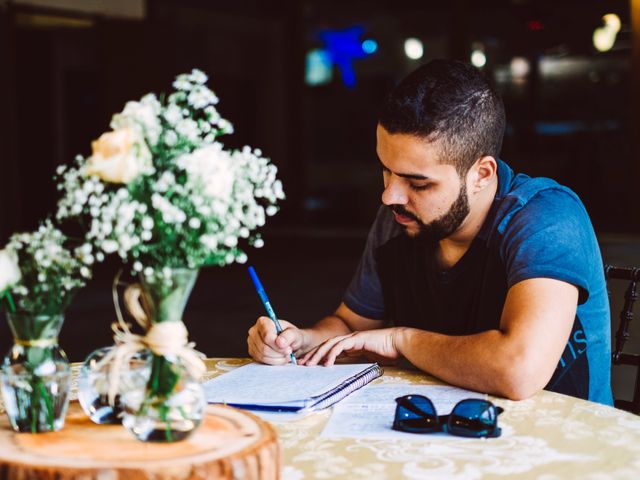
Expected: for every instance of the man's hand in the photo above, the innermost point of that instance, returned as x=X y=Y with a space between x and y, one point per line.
x=380 y=343
x=266 y=346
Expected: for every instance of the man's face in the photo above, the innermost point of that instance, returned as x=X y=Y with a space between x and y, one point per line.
x=428 y=198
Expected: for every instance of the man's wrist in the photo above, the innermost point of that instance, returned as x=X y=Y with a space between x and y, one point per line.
x=400 y=338
x=305 y=338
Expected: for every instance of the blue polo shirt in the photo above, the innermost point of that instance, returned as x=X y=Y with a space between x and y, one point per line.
x=535 y=228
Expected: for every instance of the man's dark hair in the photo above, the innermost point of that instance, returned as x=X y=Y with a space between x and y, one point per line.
x=452 y=103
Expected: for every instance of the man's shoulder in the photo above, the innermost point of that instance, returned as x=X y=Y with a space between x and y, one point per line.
x=520 y=188
x=539 y=199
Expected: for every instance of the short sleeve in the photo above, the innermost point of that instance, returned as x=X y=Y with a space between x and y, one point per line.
x=551 y=236
x=364 y=295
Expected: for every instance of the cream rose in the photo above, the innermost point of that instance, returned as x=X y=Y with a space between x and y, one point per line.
x=9 y=270
x=118 y=156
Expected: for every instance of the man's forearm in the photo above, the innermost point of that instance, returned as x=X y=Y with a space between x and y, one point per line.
x=486 y=362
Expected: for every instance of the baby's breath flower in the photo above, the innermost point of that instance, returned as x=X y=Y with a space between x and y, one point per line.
x=194 y=203
x=39 y=270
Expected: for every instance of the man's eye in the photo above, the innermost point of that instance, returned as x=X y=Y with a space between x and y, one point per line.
x=419 y=187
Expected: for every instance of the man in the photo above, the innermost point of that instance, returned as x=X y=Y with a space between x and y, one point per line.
x=488 y=280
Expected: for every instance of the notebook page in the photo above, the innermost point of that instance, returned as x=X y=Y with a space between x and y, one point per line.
x=260 y=384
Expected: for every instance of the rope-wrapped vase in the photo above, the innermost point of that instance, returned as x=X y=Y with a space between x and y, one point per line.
x=171 y=404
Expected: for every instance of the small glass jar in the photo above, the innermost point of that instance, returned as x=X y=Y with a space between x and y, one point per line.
x=93 y=385
x=36 y=376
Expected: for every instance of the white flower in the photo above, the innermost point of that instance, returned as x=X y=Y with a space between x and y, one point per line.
x=188 y=128
x=198 y=76
x=9 y=269
x=181 y=83
x=210 y=242
x=170 y=213
x=172 y=114
x=212 y=114
x=166 y=180
x=170 y=138
x=272 y=210
x=225 y=125
x=147 y=223
x=230 y=241
x=142 y=114
x=109 y=246
x=212 y=168
x=200 y=97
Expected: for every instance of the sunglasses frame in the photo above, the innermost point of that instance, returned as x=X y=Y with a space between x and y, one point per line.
x=444 y=423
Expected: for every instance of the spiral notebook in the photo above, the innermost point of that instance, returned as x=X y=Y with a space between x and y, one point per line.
x=289 y=388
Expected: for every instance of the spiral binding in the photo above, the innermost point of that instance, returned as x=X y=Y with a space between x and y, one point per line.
x=346 y=388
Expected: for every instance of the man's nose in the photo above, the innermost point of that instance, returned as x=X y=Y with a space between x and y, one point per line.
x=394 y=193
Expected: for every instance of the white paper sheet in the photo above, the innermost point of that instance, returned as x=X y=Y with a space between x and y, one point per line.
x=368 y=413
x=277 y=385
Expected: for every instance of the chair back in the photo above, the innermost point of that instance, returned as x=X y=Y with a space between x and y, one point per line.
x=618 y=356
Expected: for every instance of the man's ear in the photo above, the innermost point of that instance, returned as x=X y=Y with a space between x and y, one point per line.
x=483 y=173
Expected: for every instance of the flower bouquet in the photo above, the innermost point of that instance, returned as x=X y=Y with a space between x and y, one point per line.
x=38 y=277
x=164 y=194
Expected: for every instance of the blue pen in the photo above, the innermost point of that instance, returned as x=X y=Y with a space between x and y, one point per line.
x=267 y=306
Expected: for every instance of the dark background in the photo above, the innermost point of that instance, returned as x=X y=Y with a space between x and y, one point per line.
x=66 y=69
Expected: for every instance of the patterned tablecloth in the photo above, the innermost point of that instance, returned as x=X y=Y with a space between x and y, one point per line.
x=547 y=437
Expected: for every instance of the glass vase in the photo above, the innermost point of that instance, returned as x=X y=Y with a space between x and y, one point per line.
x=170 y=407
x=36 y=376
x=93 y=384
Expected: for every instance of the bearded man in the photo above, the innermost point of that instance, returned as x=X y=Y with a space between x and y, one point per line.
x=488 y=280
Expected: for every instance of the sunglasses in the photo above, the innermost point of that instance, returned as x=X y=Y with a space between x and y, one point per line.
x=469 y=418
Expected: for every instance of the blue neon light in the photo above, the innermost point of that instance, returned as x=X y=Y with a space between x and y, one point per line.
x=345 y=46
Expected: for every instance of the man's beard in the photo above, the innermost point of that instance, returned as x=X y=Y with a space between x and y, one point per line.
x=443 y=226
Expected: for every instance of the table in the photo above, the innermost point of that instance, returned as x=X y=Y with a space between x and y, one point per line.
x=549 y=436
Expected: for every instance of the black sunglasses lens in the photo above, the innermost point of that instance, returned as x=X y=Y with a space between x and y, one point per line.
x=473 y=418
x=415 y=414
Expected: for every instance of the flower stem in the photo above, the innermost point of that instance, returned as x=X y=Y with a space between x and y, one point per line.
x=35 y=402
x=12 y=306
x=160 y=387
x=163 y=415
x=47 y=401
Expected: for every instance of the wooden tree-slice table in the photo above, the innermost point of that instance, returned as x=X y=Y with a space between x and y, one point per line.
x=230 y=444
